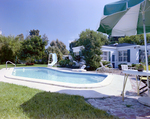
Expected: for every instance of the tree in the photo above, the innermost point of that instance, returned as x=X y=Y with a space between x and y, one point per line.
x=60 y=45
x=34 y=32
x=56 y=50
x=32 y=49
x=92 y=42
x=21 y=37
x=45 y=39
x=6 y=54
x=135 y=39
x=9 y=48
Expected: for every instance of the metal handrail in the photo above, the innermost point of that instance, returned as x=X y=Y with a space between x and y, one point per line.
x=11 y=63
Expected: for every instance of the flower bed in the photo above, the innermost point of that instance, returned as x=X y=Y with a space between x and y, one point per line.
x=29 y=63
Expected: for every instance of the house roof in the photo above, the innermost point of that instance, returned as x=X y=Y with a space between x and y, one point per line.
x=119 y=45
x=77 y=49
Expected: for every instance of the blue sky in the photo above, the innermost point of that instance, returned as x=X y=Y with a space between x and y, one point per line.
x=58 y=19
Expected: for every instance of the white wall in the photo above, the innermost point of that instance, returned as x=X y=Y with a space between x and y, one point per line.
x=134 y=52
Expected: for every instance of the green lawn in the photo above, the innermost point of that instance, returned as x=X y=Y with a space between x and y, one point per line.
x=20 y=102
x=22 y=65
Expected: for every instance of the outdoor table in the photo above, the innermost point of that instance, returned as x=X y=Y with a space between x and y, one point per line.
x=136 y=73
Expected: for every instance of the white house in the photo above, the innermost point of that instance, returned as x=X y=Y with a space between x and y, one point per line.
x=77 y=50
x=121 y=53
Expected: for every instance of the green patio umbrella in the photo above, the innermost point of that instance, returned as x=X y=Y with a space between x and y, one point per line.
x=126 y=18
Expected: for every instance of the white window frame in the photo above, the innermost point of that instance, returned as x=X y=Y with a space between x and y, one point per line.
x=77 y=53
x=104 y=56
x=122 y=56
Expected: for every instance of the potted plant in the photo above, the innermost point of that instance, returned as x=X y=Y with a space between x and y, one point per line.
x=140 y=67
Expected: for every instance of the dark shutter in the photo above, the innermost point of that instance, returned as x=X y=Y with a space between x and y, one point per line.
x=128 y=55
x=80 y=53
x=113 y=58
x=109 y=57
x=139 y=56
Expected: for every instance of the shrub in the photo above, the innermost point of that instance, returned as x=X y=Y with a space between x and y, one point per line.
x=139 y=66
x=63 y=62
x=29 y=63
x=149 y=59
x=71 y=63
x=105 y=62
x=133 y=65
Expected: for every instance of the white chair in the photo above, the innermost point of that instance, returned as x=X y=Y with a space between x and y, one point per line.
x=104 y=68
x=124 y=67
x=82 y=69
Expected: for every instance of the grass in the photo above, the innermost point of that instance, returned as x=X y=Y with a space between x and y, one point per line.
x=22 y=65
x=23 y=103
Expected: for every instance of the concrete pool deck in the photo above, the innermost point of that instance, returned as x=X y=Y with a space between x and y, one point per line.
x=106 y=98
x=114 y=88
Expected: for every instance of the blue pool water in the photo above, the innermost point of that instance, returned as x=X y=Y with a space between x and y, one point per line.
x=54 y=75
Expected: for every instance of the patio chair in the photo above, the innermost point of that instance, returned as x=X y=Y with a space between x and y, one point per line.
x=82 y=69
x=143 y=79
x=104 y=68
x=125 y=67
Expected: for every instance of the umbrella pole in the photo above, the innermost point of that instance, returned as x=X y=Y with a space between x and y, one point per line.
x=145 y=100
x=145 y=42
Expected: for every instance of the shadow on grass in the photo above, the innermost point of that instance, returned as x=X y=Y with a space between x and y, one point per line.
x=55 y=105
x=85 y=93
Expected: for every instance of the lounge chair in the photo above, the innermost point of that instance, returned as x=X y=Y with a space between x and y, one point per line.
x=82 y=69
x=104 y=68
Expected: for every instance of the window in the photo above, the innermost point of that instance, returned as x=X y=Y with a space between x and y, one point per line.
x=142 y=55
x=77 y=53
x=122 y=56
x=104 y=56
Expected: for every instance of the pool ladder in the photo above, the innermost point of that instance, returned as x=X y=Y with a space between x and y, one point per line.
x=11 y=63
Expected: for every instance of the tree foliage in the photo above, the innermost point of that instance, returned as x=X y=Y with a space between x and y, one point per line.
x=21 y=37
x=32 y=49
x=92 y=42
x=9 y=48
x=136 y=39
x=34 y=32
x=45 y=39
x=59 y=48
x=60 y=45
x=54 y=49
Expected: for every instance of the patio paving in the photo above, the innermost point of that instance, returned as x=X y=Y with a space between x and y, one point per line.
x=129 y=109
x=106 y=98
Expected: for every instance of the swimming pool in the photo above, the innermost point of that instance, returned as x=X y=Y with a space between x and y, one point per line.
x=62 y=78
x=53 y=75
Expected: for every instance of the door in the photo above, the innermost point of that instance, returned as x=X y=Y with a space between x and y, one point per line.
x=113 y=61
